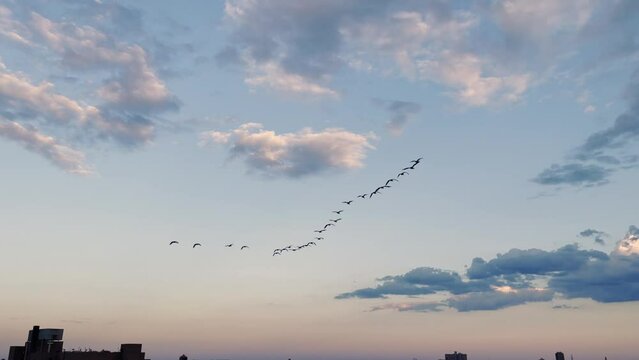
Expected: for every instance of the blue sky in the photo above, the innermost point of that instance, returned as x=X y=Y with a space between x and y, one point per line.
x=127 y=125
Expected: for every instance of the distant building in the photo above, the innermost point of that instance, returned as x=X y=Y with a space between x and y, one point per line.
x=46 y=344
x=455 y=356
x=559 y=356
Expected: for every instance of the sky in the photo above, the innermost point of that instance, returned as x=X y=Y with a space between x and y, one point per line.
x=127 y=125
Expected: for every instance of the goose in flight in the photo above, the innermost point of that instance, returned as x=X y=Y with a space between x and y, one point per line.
x=320 y=231
x=173 y=242
x=338 y=211
x=363 y=196
x=347 y=202
x=310 y=243
x=390 y=181
x=335 y=220
x=228 y=245
x=327 y=225
x=319 y=238
x=416 y=161
x=244 y=247
x=402 y=173
x=196 y=244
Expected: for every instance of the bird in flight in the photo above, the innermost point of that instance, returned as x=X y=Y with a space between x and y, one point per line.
x=347 y=202
x=363 y=196
x=416 y=161
x=327 y=225
x=390 y=181
x=228 y=245
x=319 y=238
x=408 y=168
x=338 y=211
x=320 y=231
x=196 y=244
x=335 y=220
x=310 y=243
x=244 y=247
x=173 y=242
x=402 y=173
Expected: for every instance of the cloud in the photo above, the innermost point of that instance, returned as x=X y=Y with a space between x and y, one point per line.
x=293 y=154
x=533 y=262
x=574 y=174
x=135 y=87
x=11 y=29
x=596 y=235
x=465 y=72
x=630 y=243
x=272 y=76
x=518 y=277
x=309 y=42
x=19 y=96
x=401 y=113
x=498 y=299
x=64 y=157
x=425 y=307
x=601 y=154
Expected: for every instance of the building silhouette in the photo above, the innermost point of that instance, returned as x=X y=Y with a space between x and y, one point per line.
x=455 y=356
x=46 y=344
x=559 y=356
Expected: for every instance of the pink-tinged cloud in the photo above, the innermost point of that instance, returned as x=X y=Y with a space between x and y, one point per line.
x=293 y=154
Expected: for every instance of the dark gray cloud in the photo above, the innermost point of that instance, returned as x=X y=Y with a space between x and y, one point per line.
x=602 y=153
x=575 y=174
x=519 y=277
x=533 y=262
x=400 y=112
x=596 y=235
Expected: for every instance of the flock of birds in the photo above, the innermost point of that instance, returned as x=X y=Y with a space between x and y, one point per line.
x=333 y=222
x=174 y=242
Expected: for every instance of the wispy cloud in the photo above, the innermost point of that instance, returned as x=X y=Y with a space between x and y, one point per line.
x=401 y=112
x=62 y=156
x=293 y=154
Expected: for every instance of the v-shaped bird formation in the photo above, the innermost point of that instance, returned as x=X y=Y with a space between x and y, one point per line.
x=332 y=222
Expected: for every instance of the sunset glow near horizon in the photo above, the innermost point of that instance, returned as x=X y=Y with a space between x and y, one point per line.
x=127 y=125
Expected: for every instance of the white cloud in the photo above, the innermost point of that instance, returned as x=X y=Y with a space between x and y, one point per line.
x=136 y=85
x=629 y=244
x=272 y=76
x=19 y=94
x=293 y=154
x=66 y=158
x=465 y=73
x=11 y=29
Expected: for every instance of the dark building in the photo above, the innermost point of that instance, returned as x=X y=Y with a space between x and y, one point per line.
x=46 y=344
x=455 y=356
x=559 y=356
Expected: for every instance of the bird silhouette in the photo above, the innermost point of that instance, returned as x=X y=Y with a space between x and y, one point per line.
x=335 y=220
x=319 y=238
x=408 y=168
x=402 y=173
x=327 y=225
x=196 y=244
x=338 y=211
x=244 y=247
x=173 y=242
x=347 y=202
x=228 y=245
x=390 y=181
x=310 y=243
x=416 y=161
x=320 y=231
x=363 y=196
